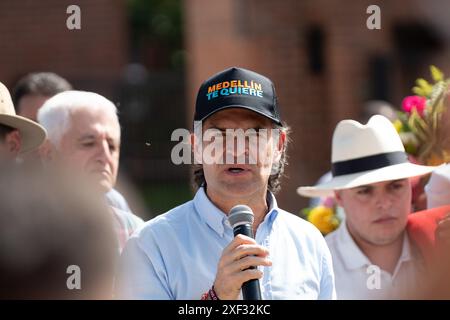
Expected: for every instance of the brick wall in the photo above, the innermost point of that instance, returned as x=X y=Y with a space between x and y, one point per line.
x=34 y=37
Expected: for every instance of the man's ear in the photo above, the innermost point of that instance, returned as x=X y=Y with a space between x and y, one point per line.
x=13 y=142
x=281 y=136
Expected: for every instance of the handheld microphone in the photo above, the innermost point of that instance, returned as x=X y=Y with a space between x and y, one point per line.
x=241 y=219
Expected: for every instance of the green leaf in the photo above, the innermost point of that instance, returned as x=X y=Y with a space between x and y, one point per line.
x=436 y=74
x=305 y=212
x=418 y=126
x=421 y=82
x=418 y=91
x=411 y=149
x=426 y=87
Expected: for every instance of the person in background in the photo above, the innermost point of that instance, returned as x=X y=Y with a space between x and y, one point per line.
x=431 y=228
x=84 y=134
x=373 y=256
x=31 y=92
x=369 y=109
x=437 y=189
x=18 y=135
x=58 y=241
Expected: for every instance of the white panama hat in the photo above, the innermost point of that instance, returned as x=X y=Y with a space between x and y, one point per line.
x=365 y=154
x=31 y=133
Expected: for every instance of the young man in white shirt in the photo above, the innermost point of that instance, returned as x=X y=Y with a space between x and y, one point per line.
x=373 y=257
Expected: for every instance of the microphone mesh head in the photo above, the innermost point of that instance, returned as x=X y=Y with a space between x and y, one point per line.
x=240 y=214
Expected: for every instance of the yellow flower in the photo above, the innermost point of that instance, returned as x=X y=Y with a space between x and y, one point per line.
x=398 y=125
x=323 y=218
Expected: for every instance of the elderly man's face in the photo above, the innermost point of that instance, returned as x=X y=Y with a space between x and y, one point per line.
x=376 y=214
x=92 y=144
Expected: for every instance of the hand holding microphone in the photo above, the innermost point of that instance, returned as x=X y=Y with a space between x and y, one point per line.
x=237 y=266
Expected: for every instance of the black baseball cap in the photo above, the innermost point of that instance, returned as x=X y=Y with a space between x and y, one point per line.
x=237 y=88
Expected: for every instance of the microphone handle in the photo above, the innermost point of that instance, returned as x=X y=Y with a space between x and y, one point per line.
x=251 y=289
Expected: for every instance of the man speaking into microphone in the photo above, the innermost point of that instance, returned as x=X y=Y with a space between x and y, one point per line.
x=192 y=252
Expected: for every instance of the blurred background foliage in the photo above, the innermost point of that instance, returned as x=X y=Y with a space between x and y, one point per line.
x=156 y=33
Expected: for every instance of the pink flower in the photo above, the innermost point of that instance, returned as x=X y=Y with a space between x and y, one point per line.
x=328 y=202
x=414 y=102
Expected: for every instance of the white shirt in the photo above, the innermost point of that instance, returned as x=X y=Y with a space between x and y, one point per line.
x=175 y=255
x=116 y=200
x=125 y=223
x=358 y=278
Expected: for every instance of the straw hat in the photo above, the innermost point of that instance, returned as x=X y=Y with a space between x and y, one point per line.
x=365 y=154
x=32 y=134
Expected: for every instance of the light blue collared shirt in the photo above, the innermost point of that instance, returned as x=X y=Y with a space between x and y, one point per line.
x=175 y=255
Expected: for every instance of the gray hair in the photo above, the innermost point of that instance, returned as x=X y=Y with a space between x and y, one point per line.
x=274 y=184
x=56 y=112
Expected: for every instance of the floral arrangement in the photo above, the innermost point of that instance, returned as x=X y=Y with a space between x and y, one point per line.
x=324 y=216
x=419 y=121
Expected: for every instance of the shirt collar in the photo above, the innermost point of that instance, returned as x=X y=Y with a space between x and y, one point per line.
x=217 y=219
x=354 y=258
x=406 y=255
x=273 y=210
x=213 y=216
